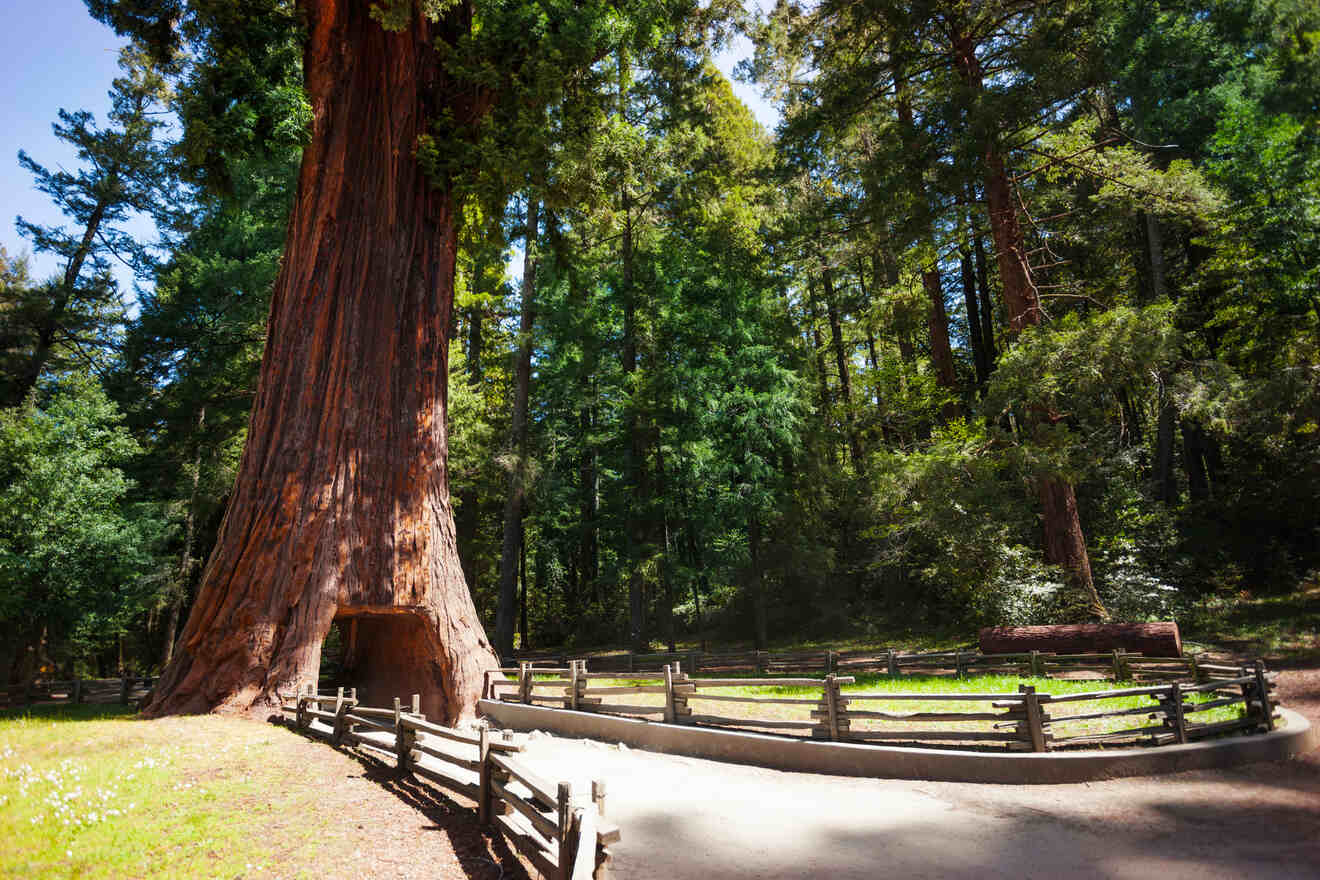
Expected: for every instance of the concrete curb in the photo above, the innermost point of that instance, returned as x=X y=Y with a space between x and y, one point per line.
x=898 y=762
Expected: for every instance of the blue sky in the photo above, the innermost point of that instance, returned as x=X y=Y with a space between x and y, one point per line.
x=52 y=55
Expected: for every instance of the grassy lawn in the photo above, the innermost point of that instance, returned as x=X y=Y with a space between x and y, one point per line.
x=918 y=684
x=91 y=791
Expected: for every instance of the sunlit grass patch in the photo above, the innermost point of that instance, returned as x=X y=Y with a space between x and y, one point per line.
x=94 y=792
x=935 y=686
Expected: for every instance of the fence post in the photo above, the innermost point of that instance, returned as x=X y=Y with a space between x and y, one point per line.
x=525 y=682
x=125 y=686
x=1176 y=708
x=681 y=709
x=77 y=691
x=892 y=663
x=762 y=657
x=402 y=745
x=832 y=705
x=669 y=694
x=342 y=708
x=631 y=664
x=1263 y=688
x=484 y=794
x=565 y=831
x=598 y=796
x=957 y=663
x=1037 y=667
x=1196 y=669
x=1035 y=723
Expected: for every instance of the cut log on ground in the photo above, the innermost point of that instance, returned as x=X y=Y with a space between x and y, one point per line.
x=1152 y=639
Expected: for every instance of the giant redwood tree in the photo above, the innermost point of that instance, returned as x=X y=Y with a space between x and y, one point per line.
x=341 y=508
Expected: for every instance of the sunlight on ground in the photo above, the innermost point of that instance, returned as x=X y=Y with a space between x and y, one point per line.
x=94 y=792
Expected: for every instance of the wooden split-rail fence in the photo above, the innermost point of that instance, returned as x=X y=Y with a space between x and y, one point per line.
x=1115 y=665
x=81 y=690
x=561 y=838
x=1024 y=721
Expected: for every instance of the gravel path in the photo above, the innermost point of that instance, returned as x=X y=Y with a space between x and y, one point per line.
x=690 y=818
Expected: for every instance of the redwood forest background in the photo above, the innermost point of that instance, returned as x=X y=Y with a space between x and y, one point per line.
x=1013 y=318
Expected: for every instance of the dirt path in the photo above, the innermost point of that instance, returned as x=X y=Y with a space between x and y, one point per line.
x=689 y=818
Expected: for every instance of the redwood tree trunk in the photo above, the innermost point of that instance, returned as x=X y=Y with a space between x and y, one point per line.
x=341 y=506
x=1065 y=543
x=938 y=322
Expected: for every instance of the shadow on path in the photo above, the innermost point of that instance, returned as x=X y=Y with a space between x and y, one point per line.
x=482 y=852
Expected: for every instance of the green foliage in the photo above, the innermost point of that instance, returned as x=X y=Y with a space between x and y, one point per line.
x=734 y=405
x=74 y=549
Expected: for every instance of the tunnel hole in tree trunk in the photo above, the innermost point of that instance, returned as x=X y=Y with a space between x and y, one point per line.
x=384 y=653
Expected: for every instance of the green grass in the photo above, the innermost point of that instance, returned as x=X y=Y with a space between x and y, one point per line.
x=935 y=686
x=91 y=791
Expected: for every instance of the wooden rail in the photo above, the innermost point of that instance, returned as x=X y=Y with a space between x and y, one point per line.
x=101 y=691
x=1115 y=665
x=561 y=839
x=1017 y=721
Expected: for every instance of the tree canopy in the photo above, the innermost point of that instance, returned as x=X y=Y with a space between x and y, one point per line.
x=1014 y=317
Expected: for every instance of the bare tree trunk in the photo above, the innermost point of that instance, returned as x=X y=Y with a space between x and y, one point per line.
x=759 y=611
x=987 y=304
x=467 y=520
x=341 y=506
x=1166 y=485
x=845 y=375
x=938 y=321
x=186 y=561
x=1155 y=247
x=524 y=643
x=971 y=303
x=1065 y=543
x=513 y=505
x=1196 y=460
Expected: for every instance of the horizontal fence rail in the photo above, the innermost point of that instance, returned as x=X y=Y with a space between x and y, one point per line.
x=1025 y=720
x=76 y=691
x=1116 y=665
x=562 y=839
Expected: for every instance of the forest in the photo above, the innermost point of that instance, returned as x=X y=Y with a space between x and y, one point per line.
x=1014 y=317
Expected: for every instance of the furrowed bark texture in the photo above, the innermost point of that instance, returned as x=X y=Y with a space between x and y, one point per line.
x=341 y=507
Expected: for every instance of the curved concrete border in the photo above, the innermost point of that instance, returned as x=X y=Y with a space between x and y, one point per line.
x=899 y=762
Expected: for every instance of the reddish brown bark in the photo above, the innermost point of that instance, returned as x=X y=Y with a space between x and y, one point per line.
x=938 y=322
x=1020 y=297
x=1065 y=543
x=1152 y=639
x=341 y=507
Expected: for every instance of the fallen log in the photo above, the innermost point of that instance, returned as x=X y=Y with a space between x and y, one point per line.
x=1152 y=639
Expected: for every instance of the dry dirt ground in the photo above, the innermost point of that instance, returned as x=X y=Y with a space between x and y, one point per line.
x=403 y=829
x=691 y=819
x=688 y=818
